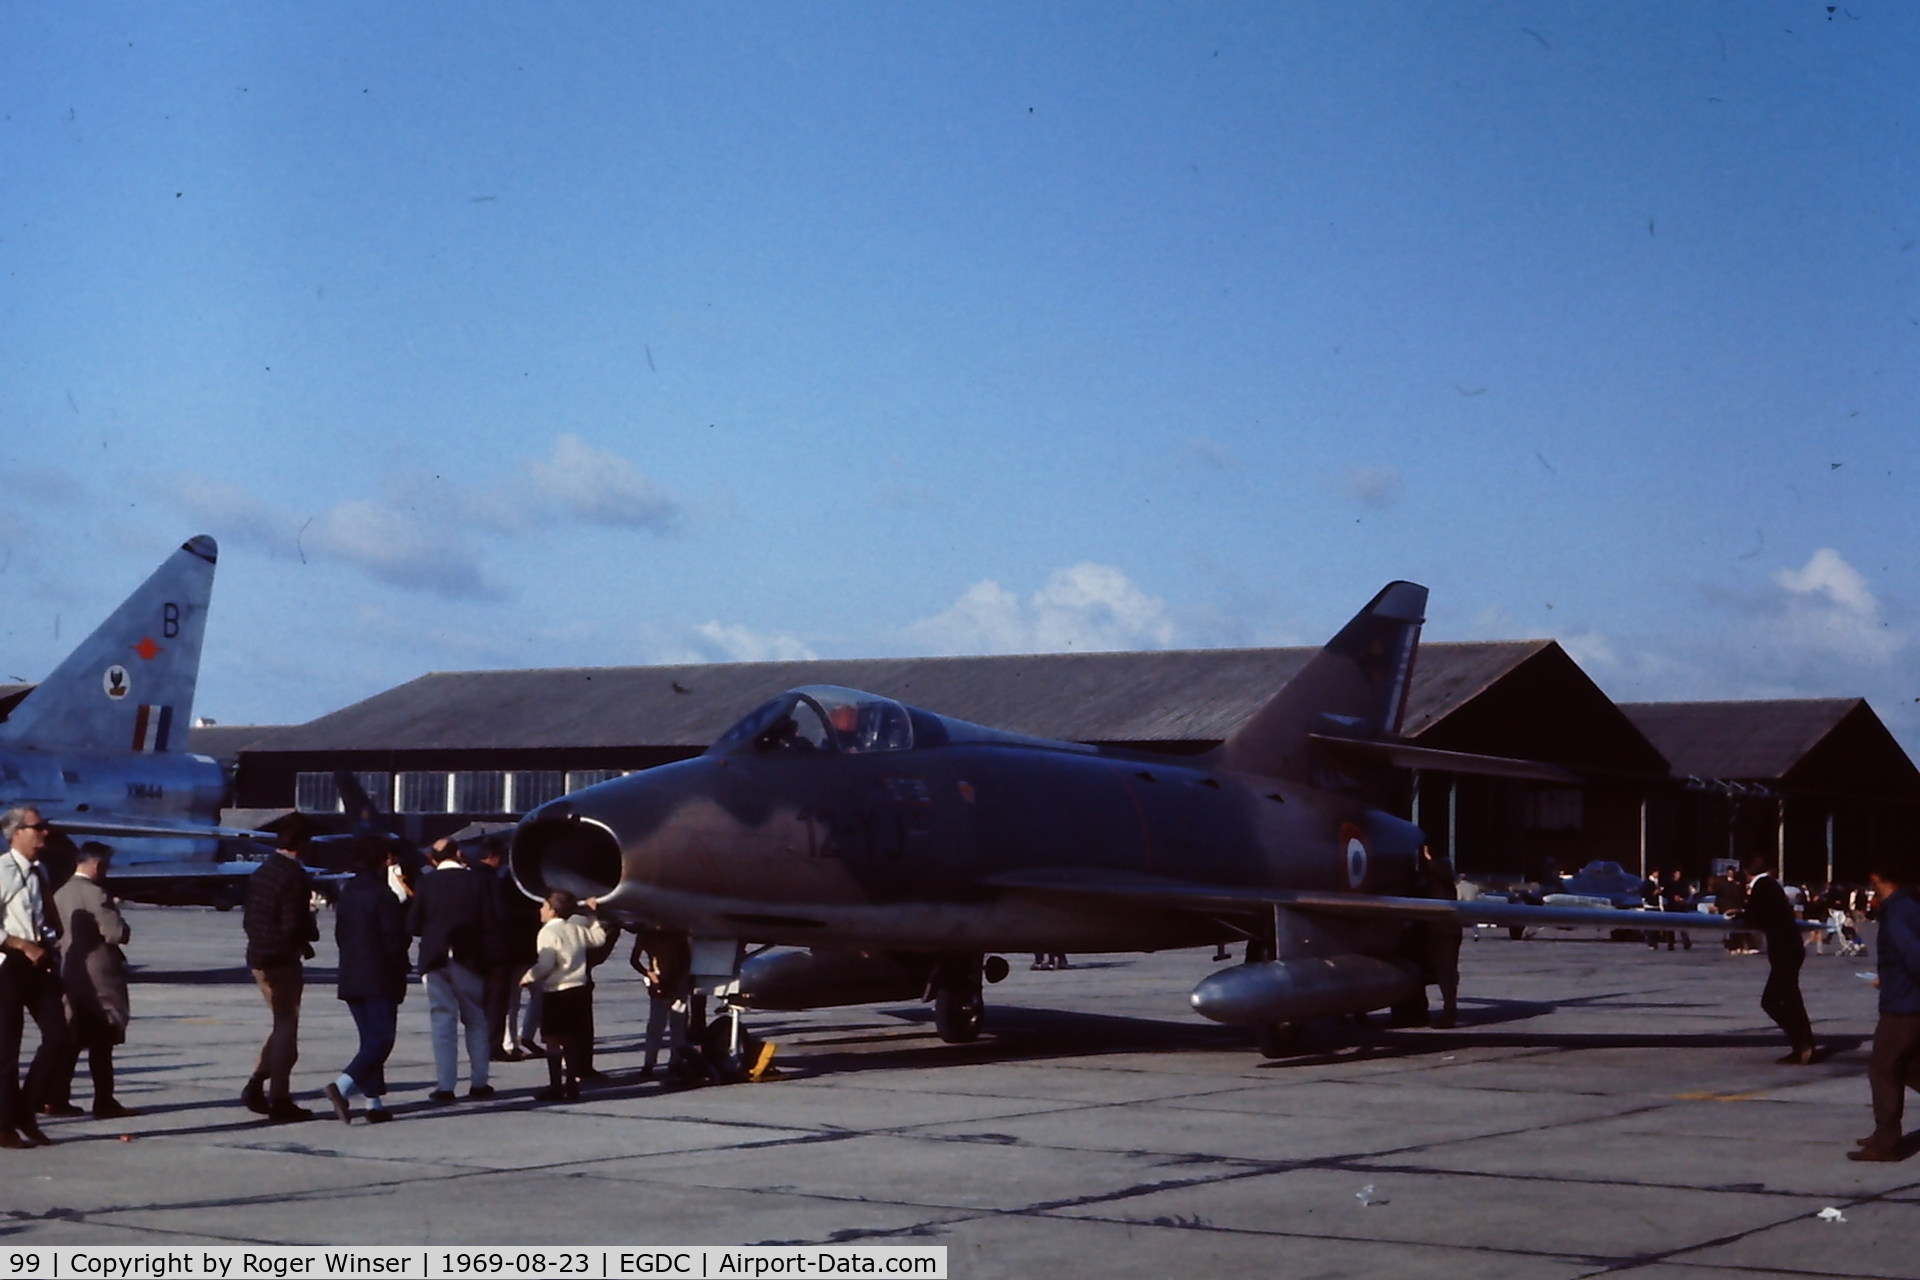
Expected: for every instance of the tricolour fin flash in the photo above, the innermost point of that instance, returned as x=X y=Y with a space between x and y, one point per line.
x=1356 y=687
x=129 y=686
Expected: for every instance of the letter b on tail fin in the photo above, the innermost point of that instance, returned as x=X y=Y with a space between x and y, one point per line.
x=1356 y=687
x=129 y=686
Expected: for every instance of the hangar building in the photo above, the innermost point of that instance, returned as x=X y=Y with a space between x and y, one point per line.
x=452 y=747
x=1815 y=785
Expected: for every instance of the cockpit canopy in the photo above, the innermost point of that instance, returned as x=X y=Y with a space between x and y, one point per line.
x=820 y=717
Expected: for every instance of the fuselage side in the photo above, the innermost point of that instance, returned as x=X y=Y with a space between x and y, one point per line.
x=893 y=849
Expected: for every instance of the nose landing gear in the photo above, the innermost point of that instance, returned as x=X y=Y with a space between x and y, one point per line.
x=734 y=1055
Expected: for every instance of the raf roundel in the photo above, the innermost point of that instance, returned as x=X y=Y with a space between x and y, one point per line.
x=1355 y=849
x=115 y=682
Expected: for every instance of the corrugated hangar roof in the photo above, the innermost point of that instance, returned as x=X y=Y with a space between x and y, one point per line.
x=1156 y=696
x=1752 y=740
x=225 y=742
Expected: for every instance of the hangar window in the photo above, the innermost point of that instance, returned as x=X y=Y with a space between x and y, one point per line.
x=319 y=793
x=530 y=788
x=425 y=792
x=480 y=792
x=1562 y=809
x=580 y=779
x=315 y=793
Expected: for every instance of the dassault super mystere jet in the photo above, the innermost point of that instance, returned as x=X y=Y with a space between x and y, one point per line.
x=902 y=849
x=96 y=746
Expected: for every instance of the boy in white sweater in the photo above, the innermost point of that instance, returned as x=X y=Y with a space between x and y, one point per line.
x=560 y=974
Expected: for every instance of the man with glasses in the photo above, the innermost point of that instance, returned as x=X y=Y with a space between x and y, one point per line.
x=29 y=979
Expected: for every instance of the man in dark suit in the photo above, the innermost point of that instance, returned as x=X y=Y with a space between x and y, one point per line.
x=29 y=978
x=1769 y=911
x=1895 y=1067
x=280 y=932
x=451 y=914
x=510 y=948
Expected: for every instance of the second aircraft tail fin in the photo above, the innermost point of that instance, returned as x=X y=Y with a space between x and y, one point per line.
x=129 y=686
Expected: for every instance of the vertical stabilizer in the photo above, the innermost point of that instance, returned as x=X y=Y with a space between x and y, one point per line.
x=1356 y=687
x=129 y=686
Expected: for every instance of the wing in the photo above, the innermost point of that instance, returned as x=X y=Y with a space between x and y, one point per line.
x=82 y=825
x=1186 y=896
x=1404 y=755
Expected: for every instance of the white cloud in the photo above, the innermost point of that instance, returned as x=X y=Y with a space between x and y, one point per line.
x=230 y=512
x=987 y=618
x=389 y=540
x=1830 y=575
x=1083 y=608
x=399 y=546
x=1816 y=631
x=1590 y=649
x=430 y=536
x=1830 y=611
x=1373 y=486
x=596 y=487
x=728 y=641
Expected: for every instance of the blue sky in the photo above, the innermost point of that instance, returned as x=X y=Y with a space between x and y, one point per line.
x=543 y=335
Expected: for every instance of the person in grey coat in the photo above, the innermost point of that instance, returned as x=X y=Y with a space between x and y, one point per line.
x=93 y=970
x=370 y=926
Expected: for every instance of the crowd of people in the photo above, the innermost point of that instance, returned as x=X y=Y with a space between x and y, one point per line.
x=505 y=978
x=484 y=953
x=498 y=969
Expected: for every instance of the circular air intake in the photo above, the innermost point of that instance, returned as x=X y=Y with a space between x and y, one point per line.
x=575 y=854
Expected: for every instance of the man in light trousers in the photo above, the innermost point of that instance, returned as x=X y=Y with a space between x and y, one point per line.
x=450 y=915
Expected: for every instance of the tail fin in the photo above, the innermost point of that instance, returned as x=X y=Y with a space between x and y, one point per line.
x=129 y=686
x=1356 y=687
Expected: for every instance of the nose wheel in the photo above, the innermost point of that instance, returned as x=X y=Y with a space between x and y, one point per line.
x=734 y=1055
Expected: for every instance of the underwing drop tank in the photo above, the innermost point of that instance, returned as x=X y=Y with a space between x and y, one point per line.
x=792 y=980
x=1252 y=995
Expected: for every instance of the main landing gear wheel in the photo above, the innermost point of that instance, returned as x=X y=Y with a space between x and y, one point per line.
x=958 y=1015
x=1278 y=1039
x=958 y=1007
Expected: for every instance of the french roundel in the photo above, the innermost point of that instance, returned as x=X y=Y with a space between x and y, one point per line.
x=1354 y=850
